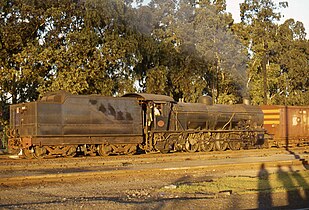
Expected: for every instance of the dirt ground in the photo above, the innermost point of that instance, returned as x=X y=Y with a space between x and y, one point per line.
x=153 y=189
x=141 y=192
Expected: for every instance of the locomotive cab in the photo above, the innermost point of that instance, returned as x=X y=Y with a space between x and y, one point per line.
x=156 y=110
x=161 y=112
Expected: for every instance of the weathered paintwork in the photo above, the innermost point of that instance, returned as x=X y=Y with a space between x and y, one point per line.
x=62 y=124
x=203 y=116
x=75 y=119
x=288 y=124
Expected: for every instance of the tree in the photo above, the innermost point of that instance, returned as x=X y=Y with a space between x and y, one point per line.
x=292 y=57
x=19 y=22
x=257 y=29
x=200 y=32
x=277 y=65
x=183 y=48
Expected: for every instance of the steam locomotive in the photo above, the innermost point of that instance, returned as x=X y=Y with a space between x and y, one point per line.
x=62 y=124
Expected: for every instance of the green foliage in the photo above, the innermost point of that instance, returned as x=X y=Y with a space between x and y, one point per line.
x=278 y=58
x=156 y=80
x=183 y=49
x=206 y=45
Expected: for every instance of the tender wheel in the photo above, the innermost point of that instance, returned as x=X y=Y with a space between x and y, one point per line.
x=28 y=153
x=92 y=150
x=220 y=142
x=40 y=152
x=105 y=150
x=71 y=152
x=130 y=149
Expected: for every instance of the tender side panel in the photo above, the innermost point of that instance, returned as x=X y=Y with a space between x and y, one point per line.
x=101 y=115
x=79 y=120
x=49 y=119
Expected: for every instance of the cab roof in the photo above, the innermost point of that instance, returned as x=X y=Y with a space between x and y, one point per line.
x=150 y=97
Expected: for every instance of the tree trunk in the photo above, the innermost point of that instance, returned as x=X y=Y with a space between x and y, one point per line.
x=264 y=72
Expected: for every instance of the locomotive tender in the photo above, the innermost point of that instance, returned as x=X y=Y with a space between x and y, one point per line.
x=62 y=124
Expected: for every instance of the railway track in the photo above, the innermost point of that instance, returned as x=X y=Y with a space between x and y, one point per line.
x=24 y=172
x=16 y=161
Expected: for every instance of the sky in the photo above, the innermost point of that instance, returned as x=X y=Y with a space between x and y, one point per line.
x=297 y=9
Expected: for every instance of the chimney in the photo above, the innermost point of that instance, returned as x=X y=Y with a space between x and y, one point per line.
x=246 y=101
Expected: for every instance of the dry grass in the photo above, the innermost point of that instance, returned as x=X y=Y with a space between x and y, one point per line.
x=277 y=182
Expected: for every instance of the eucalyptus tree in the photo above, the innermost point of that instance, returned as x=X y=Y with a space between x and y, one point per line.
x=20 y=69
x=216 y=42
x=257 y=31
x=292 y=55
x=206 y=54
x=158 y=57
x=277 y=54
x=91 y=49
x=19 y=24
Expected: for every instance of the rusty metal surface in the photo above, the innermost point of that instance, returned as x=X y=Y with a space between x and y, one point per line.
x=287 y=122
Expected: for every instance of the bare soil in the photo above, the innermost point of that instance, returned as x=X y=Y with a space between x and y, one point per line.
x=141 y=186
